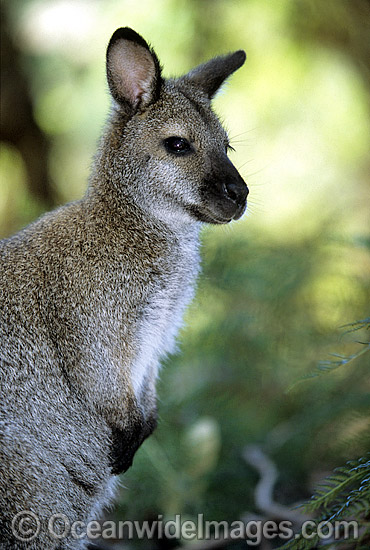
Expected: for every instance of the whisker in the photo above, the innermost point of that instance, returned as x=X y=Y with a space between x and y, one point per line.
x=240 y=142
x=242 y=133
x=254 y=200
x=244 y=163
x=256 y=186
x=255 y=209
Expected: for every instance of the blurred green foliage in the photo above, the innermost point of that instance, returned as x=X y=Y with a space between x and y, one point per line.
x=275 y=287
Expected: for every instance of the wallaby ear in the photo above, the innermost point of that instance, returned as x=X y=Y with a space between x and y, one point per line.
x=210 y=75
x=133 y=71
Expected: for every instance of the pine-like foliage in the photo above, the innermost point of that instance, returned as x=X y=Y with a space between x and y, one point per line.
x=343 y=496
x=355 y=478
x=340 y=360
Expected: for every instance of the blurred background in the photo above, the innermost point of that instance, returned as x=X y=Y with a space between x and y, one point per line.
x=256 y=372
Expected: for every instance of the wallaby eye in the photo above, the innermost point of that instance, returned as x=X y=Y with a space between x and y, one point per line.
x=177 y=145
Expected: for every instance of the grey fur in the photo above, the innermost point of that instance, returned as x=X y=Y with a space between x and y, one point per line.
x=92 y=294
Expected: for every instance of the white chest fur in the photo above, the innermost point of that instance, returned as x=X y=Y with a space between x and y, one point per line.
x=163 y=314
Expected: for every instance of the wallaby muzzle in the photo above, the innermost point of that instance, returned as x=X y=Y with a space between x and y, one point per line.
x=224 y=192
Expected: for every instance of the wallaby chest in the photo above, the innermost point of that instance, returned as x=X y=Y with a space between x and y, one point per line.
x=161 y=312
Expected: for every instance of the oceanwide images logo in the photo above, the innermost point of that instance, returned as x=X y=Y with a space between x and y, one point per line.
x=26 y=527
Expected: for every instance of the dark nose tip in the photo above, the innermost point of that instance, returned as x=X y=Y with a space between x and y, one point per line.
x=237 y=191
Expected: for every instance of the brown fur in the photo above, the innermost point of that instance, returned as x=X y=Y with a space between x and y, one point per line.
x=93 y=293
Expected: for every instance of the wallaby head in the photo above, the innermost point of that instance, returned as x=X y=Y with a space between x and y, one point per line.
x=164 y=147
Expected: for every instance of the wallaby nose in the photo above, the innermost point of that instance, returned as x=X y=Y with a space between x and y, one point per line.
x=237 y=191
x=234 y=186
x=228 y=188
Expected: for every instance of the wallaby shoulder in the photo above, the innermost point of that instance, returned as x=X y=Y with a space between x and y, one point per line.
x=100 y=292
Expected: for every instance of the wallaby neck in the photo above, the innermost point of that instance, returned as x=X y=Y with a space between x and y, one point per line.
x=123 y=206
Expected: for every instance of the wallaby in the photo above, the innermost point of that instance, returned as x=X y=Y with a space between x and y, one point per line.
x=92 y=294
